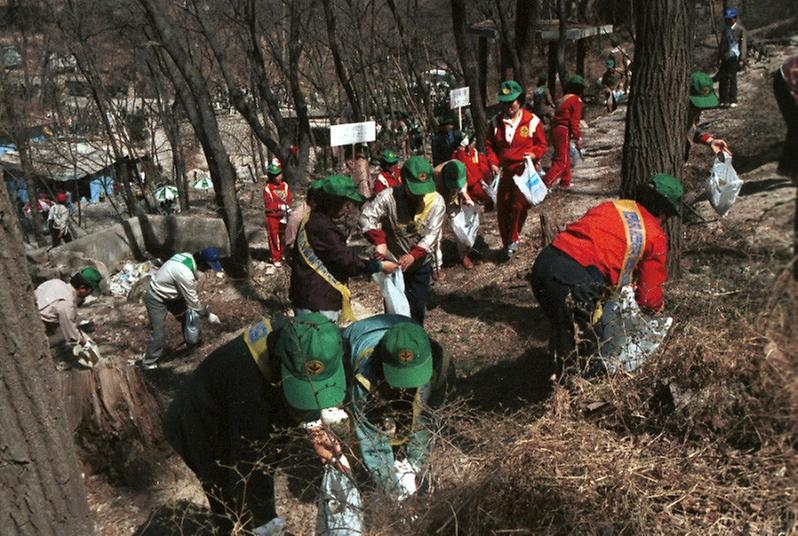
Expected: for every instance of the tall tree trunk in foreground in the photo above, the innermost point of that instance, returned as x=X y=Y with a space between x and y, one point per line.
x=468 y=61
x=340 y=68
x=41 y=489
x=526 y=18
x=658 y=101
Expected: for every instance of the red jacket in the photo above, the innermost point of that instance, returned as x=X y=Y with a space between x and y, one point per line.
x=385 y=180
x=477 y=165
x=529 y=139
x=275 y=195
x=599 y=239
x=568 y=114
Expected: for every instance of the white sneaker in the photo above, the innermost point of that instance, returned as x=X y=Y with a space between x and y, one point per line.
x=732 y=105
x=277 y=264
x=149 y=363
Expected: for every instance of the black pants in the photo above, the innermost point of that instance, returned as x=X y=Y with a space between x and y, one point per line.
x=567 y=293
x=788 y=164
x=221 y=423
x=727 y=80
x=417 y=284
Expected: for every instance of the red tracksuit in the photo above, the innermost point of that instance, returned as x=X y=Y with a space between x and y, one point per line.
x=599 y=239
x=387 y=179
x=529 y=139
x=564 y=126
x=275 y=197
x=477 y=170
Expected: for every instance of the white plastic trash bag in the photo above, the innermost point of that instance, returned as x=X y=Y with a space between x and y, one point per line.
x=340 y=506
x=723 y=185
x=628 y=336
x=574 y=154
x=530 y=184
x=192 y=330
x=393 y=292
x=492 y=188
x=406 y=475
x=465 y=226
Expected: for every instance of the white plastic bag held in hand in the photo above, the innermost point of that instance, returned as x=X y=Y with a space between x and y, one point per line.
x=465 y=226
x=723 y=185
x=492 y=188
x=340 y=506
x=530 y=183
x=393 y=292
x=192 y=329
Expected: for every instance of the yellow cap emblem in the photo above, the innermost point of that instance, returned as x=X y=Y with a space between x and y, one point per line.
x=706 y=90
x=405 y=356
x=505 y=90
x=314 y=367
x=422 y=176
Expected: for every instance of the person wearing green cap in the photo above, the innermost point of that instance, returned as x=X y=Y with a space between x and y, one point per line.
x=451 y=180
x=564 y=128
x=406 y=223
x=322 y=263
x=225 y=418
x=615 y=244
x=515 y=134
x=277 y=199
x=398 y=376
x=57 y=302
x=702 y=97
x=390 y=173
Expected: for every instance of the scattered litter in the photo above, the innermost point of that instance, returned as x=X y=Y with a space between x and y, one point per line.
x=340 y=510
x=122 y=281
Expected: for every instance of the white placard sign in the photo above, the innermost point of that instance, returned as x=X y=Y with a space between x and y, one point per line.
x=459 y=97
x=351 y=133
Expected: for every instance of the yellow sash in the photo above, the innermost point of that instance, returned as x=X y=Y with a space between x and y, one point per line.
x=426 y=205
x=255 y=337
x=635 y=239
x=310 y=258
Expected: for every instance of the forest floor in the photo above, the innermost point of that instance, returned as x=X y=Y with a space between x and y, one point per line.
x=701 y=439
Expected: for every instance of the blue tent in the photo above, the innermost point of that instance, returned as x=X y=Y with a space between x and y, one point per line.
x=100 y=186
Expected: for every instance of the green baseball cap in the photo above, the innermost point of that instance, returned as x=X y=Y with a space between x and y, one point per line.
x=576 y=80
x=406 y=356
x=389 y=157
x=417 y=175
x=509 y=90
x=454 y=174
x=310 y=350
x=668 y=187
x=93 y=278
x=702 y=91
x=341 y=186
x=274 y=170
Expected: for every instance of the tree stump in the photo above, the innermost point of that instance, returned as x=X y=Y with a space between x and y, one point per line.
x=116 y=420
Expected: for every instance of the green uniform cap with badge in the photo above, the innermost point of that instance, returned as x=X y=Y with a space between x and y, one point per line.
x=702 y=91
x=576 y=80
x=670 y=188
x=406 y=356
x=93 y=277
x=417 y=175
x=341 y=186
x=454 y=175
x=273 y=170
x=509 y=90
x=389 y=157
x=310 y=351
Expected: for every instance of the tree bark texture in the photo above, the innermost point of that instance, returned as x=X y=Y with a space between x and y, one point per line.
x=41 y=488
x=657 y=113
x=340 y=68
x=468 y=61
x=526 y=17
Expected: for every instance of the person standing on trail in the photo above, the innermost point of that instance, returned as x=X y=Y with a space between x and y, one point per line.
x=58 y=220
x=702 y=97
x=477 y=170
x=516 y=133
x=542 y=101
x=564 y=128
x=785 y=88
x=322 y=263
x=450 y=181
x=445 y=141
x=406 y=223
x=732 y=53
x=57 y=303
x=277 y=199
x=173 y=289
x=390 y=173
x=398 y=375
x=224 y=420
x=615 y=244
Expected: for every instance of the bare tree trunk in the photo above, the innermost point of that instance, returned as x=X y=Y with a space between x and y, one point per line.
x=465 y=51
x=340 y=68
x=658 y=101
x=562 y=43
x=526 y=17
x=41 y=489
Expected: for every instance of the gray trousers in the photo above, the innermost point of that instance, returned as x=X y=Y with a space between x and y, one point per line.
x=157 y=310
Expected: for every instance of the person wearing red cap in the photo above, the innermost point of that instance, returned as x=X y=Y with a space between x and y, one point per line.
x=515 y=134
x=565 y=126
x=58 y=221
x=277 y=199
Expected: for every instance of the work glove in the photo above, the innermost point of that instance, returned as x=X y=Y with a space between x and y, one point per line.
x=213 y=319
